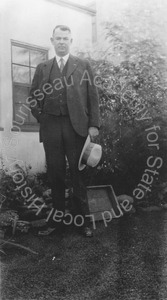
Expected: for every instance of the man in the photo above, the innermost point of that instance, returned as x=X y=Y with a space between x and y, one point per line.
x=67 y=109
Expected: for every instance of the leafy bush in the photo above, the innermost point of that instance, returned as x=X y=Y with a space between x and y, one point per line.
x=11 y=191
x=132 y=99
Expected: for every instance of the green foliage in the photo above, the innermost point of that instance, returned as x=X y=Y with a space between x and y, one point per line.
x=11 y=191
x=132 y=94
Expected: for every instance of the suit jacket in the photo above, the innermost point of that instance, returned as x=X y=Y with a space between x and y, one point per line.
x=82 y=97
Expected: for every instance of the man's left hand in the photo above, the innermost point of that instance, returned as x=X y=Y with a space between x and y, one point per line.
x=93 y=132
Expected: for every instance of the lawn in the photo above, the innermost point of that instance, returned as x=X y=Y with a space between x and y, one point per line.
x=122 y=261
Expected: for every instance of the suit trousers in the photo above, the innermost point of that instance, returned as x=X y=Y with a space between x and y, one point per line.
x=60 y=141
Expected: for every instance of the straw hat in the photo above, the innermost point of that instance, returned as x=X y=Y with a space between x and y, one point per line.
x=90 y=155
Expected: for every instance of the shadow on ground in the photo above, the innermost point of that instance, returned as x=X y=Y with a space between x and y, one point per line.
x=125 y=261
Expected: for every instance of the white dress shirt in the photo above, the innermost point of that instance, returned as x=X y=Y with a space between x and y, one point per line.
x=65 y=58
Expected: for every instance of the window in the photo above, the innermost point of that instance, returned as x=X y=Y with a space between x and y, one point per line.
x=25 y=58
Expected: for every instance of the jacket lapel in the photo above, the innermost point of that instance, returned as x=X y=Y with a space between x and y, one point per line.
x=47 y=69
x=72 y=64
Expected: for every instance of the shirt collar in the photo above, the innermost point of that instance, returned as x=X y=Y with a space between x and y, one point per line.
x=65 y=58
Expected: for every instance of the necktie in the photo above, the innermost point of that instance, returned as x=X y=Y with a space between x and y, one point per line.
x=61 y=64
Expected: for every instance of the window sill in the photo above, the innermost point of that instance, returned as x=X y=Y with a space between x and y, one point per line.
x=26 y=128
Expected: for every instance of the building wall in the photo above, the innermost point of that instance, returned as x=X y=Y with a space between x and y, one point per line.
x=31 y=22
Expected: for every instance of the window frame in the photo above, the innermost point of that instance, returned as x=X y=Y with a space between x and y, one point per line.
x=26 y=127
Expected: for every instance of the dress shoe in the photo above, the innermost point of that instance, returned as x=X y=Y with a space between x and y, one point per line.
x=87 y=232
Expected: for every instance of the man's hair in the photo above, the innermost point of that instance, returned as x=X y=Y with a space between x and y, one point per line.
x=62 y=27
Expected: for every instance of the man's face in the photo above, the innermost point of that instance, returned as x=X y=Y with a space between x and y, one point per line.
x=61 y=41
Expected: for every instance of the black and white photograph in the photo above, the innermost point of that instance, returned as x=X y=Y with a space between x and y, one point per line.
x=83 y=150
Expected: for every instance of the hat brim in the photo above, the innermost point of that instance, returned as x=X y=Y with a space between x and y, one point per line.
x=81 y=166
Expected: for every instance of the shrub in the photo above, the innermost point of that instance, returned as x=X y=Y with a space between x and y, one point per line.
x=132 y=99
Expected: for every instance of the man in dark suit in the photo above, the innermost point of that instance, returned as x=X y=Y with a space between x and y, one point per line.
x=65 y=103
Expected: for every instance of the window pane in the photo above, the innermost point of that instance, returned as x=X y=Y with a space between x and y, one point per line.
x=21 y=74
x=24 y=62
x=36 y=57
x=20 y=93
x=19 y=117
x=32 y=73
x=32 y=119
x=20 y=55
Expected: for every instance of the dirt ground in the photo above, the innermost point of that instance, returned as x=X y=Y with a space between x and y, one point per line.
x=126 y=260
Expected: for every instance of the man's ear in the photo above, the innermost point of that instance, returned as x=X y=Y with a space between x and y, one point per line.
x=51 y=39
x=71 y=41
